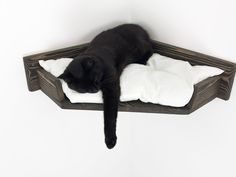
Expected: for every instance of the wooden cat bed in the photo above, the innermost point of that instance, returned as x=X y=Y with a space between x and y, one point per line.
x=204 y=92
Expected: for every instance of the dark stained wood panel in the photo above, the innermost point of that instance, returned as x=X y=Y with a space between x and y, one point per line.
x=204 y=92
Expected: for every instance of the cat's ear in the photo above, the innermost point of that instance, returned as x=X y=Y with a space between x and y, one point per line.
x=66 y=76
x=62 y=76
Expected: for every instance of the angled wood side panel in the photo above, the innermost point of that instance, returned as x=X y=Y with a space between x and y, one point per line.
x=196 y=58
x=31 y=62
x=204 y=92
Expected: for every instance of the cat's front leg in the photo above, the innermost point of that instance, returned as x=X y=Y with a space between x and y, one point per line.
x=111 y=96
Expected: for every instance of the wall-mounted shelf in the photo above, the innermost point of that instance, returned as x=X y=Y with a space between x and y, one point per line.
x=204 y=92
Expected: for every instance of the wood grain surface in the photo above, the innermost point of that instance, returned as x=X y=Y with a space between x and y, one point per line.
x=204 y=92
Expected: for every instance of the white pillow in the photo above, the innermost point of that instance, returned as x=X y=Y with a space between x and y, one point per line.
x=163 y=80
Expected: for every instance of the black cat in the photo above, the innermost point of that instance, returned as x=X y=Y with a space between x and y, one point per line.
x=101 y=65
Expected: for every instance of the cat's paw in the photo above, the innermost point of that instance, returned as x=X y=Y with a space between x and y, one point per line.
x=110 y=142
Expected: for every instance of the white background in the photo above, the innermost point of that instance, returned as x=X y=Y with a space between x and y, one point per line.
x=37 y=138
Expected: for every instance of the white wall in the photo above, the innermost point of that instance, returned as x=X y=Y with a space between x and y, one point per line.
x=39 y=139
x=203 y=143
x=207 y=26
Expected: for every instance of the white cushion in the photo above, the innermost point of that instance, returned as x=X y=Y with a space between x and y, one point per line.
x=163 y=80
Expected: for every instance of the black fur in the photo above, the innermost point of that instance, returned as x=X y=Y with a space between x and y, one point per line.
x=101 y=65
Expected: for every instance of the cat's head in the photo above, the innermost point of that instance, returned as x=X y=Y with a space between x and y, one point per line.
x=84 y=74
